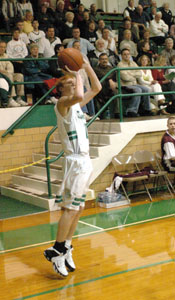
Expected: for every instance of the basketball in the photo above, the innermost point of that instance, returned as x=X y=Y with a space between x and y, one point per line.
x=70 y=57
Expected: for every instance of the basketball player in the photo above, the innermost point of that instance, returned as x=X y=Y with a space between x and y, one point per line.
x=168 y=146
x=77 y=165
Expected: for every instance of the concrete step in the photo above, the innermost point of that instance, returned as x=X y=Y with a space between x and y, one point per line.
x=39 y=172
x=34 y=185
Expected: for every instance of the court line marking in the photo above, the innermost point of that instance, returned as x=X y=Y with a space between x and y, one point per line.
x=91 y=225
x=88 y=233
x=96 y=279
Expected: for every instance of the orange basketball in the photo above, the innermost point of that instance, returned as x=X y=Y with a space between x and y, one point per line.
x=70 y=57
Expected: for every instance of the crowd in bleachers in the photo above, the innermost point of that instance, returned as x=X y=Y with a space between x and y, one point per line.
x=44 y=28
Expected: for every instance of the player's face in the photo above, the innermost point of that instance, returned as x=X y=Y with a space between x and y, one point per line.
x=171 y=126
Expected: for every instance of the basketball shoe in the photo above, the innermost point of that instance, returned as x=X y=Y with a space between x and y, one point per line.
x=57 y=259
x=69 y=260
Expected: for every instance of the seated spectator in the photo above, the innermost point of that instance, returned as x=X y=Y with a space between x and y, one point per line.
x=127 y=41
x=127 y=25
x=129 y=78
x=16 y=48
x=152 y=13
x=67 y=27
x=28 y=22
x=84 y=24
x=147 y=80
x=59 y=14
x=167 y=15
x=168 y=146
x=109 y=41
x=24 y=6
x=10 y=13
x=6 y=68
x=22 y=35
x=36 y=35
x=45 y=18
x=79 y=15
x=129 y=10
x=101 y=26
x=90 y=34
x=152 y=45
x=108 y=86
x=4 y=91
x=68 y=5
x=168 y=51
x=86 y=46
x=144 y=49
x=172 y=32
x=94 y=14
x=145 y=3
x=54 y=68
x=141 y=19
x=172 y=63
x=158 y=29
x=36 y=70
x=167 y=85
x=93 y=55
x=153 y=4
x=47 y=44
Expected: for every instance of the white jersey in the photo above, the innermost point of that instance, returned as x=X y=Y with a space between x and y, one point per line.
x=35 y=36
x=73 y=131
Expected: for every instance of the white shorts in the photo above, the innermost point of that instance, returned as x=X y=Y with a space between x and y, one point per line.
x=77 y=173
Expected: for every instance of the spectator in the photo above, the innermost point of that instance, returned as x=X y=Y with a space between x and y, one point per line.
x=6 y=68
x=54 y=68
x=22 y=35
x=127 y=41
x=168 y=146
x=129 y=10
x=101 y=26
x=68 y=5
x=147 y=80
x=36 y=35
x=141 y=19
x=94 y=15
x=109 y=41
x=90 y=34
x=130 y=78
x=127 y=25
x=28 y=22
x=144 y=49
x=153 y=13
x=168 y=51
x=158 y=29
x=10 y=13
x=84 y=24
x=60 y=14
x=45 y=18
x=16 y=48
x=167 y=85
x=86 y=46
x=67 y=27
x=24 y=6
x=152 y=45
x=79 y=16
x=172 y=63
x=4 y=90
x=47 y=44
x=167 y=15
x=36 y=71
x=172 y=32
x=145 y=3
x=100 y=48
x=153 y=5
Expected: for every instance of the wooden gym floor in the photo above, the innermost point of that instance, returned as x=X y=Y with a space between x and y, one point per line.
x=121 y=254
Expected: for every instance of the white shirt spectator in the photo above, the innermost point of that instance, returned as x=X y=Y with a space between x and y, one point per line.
x=23 y=37
x=46 y=48
x=16 y=49
x=35 y=36
x=158 y=29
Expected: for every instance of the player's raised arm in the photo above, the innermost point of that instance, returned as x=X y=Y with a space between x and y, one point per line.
x=95 y=84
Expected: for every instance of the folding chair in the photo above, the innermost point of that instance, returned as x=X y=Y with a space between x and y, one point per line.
x=144 y=158
x=126 y=161
x=159 y=164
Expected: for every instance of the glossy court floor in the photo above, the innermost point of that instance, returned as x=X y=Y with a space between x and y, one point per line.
x=126 y=253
